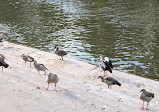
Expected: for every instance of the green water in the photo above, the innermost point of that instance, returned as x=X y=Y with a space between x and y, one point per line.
x=127 y=31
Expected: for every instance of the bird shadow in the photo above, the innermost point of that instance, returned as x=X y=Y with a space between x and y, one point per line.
x=73 y=96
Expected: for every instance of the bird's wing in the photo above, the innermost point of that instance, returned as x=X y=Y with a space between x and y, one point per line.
x=148 y=94
x=62 y=52
x=42 y=65
x=30 y=58
x=113 y=80
x=109 y=79
x=108 y=66
x=110 y=63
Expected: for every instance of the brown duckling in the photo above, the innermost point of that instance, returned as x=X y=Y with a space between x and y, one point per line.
x=52 y=78
x=40 y=67
x=27 y=58
x=145 y=96
x=109 y=81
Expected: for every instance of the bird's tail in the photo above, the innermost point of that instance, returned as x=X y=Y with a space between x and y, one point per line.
x=6 y=65
x=117 y=83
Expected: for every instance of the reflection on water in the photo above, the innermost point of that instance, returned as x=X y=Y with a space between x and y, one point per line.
x=125 y=31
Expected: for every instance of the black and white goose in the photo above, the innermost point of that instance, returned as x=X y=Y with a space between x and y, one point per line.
x=109 y=81
x=106 y=65
x=145 y=96
x=3 y=63
x=61 y=53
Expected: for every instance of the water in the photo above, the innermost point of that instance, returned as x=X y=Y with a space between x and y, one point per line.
x=126 y=31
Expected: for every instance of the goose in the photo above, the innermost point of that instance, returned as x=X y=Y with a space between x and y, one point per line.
x=40 y=67
x=109 y=81
x=105 y=64
x=2 y=38
x=61 y=53
x=27 y=58
x=52 y=78
x=145 y=96
x=3 y=63
x=105 y=67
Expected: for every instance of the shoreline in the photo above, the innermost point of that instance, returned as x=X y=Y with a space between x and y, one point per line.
x=78 y=88
x=85 y=61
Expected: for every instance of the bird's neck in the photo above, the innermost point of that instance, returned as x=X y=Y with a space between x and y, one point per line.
x=57 y=48
x=102 y=79
x=35 y=63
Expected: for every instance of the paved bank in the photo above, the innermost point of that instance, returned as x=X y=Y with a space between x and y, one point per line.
x=23 y=89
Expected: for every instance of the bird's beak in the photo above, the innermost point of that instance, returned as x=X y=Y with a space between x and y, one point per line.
x=98 y=77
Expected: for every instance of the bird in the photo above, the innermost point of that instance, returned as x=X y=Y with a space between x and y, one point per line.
x=2 y=38
x=40 y=67
x=52 y=78
x=145 y=96
x=27 y=58
x=3 y=63
x=106 y=65
x=61 y=53
x=109 y=81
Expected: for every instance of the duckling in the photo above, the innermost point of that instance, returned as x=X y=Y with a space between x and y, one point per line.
x=61 y=53
x=52 y=78
x=3 y=63
x=145 y=96
x=27 y=58
x=40 y=67
x=109 y=81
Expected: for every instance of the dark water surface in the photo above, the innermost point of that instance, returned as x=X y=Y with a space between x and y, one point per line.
x=127 y=31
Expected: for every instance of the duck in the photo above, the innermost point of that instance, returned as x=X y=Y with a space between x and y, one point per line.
x=40 y=67
x=2 y=38
x=109 y=81
x=3 y=63
x=145 y=96
x=27 y=58
x=61 y=53
x=52 y=78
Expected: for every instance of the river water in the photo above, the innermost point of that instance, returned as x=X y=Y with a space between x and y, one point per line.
x=127 y=31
